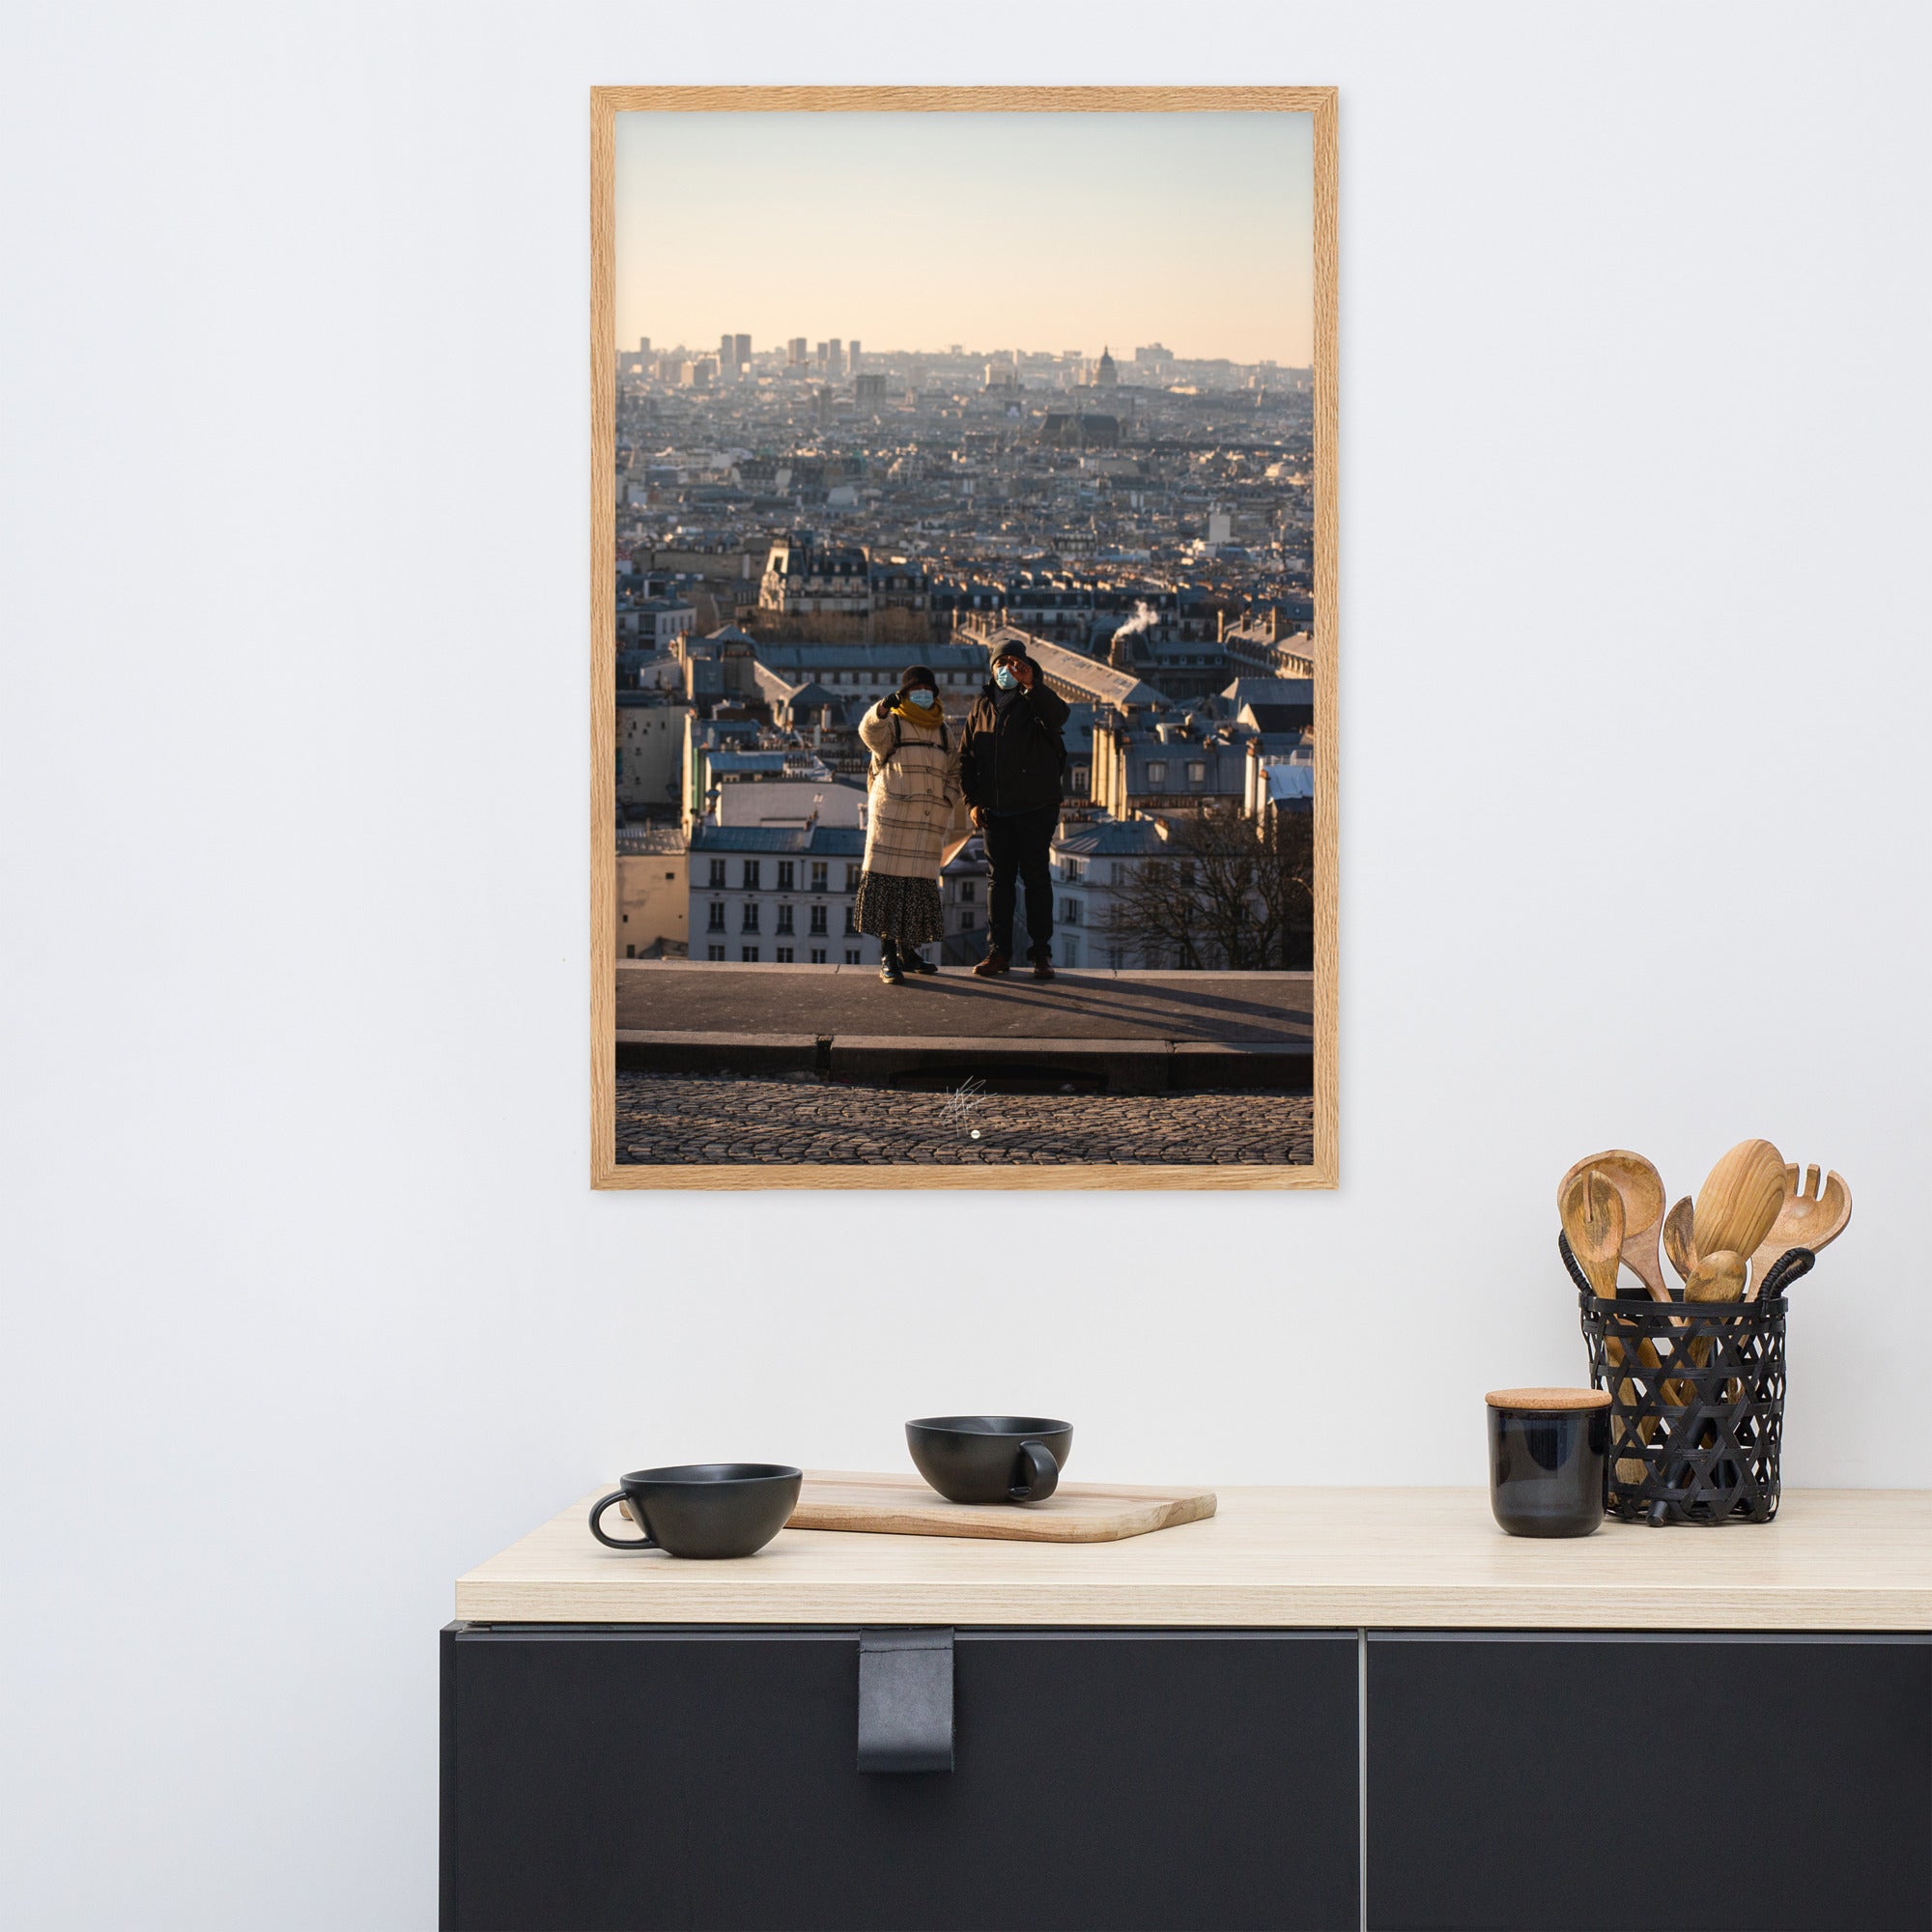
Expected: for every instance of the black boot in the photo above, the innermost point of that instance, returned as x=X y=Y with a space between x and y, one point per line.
x=913 y=960
x=889 y=970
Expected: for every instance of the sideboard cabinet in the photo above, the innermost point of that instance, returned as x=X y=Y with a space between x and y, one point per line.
x=849 y=1732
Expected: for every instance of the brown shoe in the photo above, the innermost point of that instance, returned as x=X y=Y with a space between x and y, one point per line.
x=1042 y=967
x=992 y=966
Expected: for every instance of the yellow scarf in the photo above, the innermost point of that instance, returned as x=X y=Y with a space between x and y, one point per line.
x=926 y=716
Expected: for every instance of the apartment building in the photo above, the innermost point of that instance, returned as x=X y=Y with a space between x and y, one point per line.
x=781 y=896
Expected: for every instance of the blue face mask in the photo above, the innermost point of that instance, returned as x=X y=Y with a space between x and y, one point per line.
x=920 y=695
x=1004 y=677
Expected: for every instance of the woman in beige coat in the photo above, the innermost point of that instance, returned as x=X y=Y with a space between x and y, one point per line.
x=915 y=788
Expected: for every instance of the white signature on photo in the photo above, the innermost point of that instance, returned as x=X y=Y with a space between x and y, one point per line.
x=960 y=1102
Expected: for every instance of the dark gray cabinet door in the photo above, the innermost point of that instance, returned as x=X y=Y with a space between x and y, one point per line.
x=604 y=1778
x=1618 y=1783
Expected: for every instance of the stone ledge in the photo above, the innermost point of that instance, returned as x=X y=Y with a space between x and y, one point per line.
x=645 y=1052
x=1120 y=1065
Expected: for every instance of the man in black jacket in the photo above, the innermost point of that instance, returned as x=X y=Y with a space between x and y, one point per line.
x=1011 y=761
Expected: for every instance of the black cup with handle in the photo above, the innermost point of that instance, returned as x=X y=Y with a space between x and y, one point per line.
x=702 y=1508
x=990 y=1459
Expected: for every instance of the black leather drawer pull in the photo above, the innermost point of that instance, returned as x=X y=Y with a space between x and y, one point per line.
x=905 y=1700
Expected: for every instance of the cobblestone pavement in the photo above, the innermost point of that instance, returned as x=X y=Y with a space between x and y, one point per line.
x=670 y=1119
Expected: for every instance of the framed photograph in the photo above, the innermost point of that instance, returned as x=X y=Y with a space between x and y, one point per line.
x=963 y=638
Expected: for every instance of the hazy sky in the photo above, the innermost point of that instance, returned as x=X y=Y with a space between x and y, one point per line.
x=995 y=231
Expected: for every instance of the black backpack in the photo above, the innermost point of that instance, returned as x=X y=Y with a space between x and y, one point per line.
x=898 y=745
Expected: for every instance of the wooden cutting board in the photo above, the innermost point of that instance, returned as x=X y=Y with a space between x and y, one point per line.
x=1076 y=1512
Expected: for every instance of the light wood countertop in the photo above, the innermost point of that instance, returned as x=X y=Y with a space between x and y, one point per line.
x=1834 y=1559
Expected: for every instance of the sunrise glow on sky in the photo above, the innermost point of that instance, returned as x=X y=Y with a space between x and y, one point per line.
x=994 y=231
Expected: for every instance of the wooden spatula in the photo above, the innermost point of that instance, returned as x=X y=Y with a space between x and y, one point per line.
x=1739 y=1200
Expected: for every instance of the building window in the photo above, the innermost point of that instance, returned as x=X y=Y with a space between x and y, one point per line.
x=852 y=956
x=851 y=878
x=818 y=875
x=968 y=892
x=714 y=953
x=1070 y=911
x=629 y=952
x=747 y=917
x=1197 y=774
x=785 y=876
x=1071 y=869
x=716 y=922
x=851 y=924
x=785 y=919
x=819 y=919
x=1156 y=773
x=718 y=875
x=965 y=921
x=748 y=955
x=818 y=955
x=752 y=875
x=782 y=954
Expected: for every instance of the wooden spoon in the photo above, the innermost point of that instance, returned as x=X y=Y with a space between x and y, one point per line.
x=1809 y=1217
x=1739 y=1200
x=1593 y=1218
x=1641 y=1187
x=1717 y=1277
x=1680 y=1241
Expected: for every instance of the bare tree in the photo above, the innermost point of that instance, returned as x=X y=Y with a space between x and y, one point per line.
x=1232 y=894
x=1158 y=914
x=896 y=626
x=1285 y=880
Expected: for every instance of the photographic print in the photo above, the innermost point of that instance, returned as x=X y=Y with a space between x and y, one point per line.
x=963 y=638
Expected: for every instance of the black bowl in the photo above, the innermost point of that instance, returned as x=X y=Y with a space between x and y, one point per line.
x=990 y=1459
x=703 y=1509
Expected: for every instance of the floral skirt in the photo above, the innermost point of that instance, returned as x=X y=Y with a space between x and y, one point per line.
x=905 y=911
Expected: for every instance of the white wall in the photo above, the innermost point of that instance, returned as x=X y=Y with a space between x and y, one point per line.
x=308 y=1304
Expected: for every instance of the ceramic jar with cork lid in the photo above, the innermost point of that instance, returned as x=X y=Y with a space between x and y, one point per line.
x=1549 y=1455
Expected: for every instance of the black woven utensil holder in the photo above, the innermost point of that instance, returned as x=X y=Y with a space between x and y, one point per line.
x=1696 y=1398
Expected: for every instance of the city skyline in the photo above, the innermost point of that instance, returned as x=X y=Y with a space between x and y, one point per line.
x=845 y=225
x=1123 y=352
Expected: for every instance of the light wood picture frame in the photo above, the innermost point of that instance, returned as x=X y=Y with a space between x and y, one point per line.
x=725 y=1167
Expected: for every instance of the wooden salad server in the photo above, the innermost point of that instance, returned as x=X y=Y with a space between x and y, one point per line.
x=1592 y=1211
x=1641 y=1187
x=1810 y=1216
